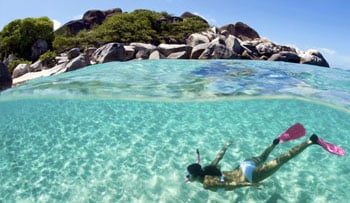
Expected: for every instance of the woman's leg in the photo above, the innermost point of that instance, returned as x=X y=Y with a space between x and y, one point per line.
x=258 y=160
x=267 y=169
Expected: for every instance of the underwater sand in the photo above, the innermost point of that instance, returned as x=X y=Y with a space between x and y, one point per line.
x=82 y=137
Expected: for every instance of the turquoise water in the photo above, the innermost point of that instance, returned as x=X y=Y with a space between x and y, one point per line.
x=125 y=132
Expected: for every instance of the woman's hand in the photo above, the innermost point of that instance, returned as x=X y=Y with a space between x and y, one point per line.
x=228 y=143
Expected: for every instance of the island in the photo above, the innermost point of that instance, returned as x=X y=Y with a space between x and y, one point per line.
x=30 y=49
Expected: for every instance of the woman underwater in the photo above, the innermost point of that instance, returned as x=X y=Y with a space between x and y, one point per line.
x=253 y=170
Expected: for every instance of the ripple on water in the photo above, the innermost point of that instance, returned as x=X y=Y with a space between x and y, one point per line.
x=192 y=79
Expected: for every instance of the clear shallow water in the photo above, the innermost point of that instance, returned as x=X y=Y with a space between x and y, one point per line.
x=126 y=131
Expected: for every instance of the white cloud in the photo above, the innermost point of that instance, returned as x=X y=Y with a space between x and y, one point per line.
x=327 y=51
x=56 y=24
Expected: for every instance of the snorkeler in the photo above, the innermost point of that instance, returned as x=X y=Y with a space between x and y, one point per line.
x=253 y=170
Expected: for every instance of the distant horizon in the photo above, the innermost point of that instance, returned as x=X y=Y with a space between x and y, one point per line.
x=301 y=24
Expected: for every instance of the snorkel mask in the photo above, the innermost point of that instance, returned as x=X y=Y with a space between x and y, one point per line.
x=189 y=176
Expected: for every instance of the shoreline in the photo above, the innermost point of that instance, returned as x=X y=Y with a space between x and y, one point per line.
x=220 y=47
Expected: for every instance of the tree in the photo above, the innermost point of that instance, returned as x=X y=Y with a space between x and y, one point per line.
x=187 y=27
x=63 y=43
x=137 y=26
x=19 y=35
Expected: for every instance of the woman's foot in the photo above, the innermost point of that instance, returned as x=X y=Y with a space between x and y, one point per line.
x=314 y=138
x=331 y=148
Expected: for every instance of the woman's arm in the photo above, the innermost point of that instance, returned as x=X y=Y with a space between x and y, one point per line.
x=221 y=153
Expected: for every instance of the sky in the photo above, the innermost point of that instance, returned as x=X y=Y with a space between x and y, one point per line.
x=304 y=24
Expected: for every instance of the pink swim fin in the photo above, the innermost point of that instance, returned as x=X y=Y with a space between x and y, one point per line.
x=294 y=132
x=328 y=146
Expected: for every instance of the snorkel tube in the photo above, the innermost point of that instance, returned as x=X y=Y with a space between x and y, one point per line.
x=198 y=157
x=188 y=176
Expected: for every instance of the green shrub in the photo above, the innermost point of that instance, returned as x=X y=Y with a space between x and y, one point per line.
x=48 y=58
x=137 y=26
x=62 y=43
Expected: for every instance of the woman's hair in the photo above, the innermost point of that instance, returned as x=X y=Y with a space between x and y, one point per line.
x=212 y=170
x=197 y=170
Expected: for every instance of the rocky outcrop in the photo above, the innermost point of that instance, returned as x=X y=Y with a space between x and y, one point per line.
x=130 y=52
x=217 y=49
x=73 y=27
x=94 y=17
x=236 y=40
x=5 y=77
x=172 y=51
x=191 y=15
x=71 y=54
x=35 y=67
x=198 y=50
x=234 y=44
x=141 y=50
x=78 y=62
x=109 y=52
x=90 y=18
x=38 y=48
x=211 y=44
x=313 y=57
x=197 y=38
x=286 y=56
x=155 y=55
x=37 y=70
x=20 y=70
x=58 y=69
x=241 y=30
x=232 y=41
x=110 y=12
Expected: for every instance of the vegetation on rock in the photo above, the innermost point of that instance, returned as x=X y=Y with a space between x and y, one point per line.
x=146 y=26
x=138 y=26
x=19 y=36
x=48 y=58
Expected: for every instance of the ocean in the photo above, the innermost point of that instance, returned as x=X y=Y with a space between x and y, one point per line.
x=126 y=131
